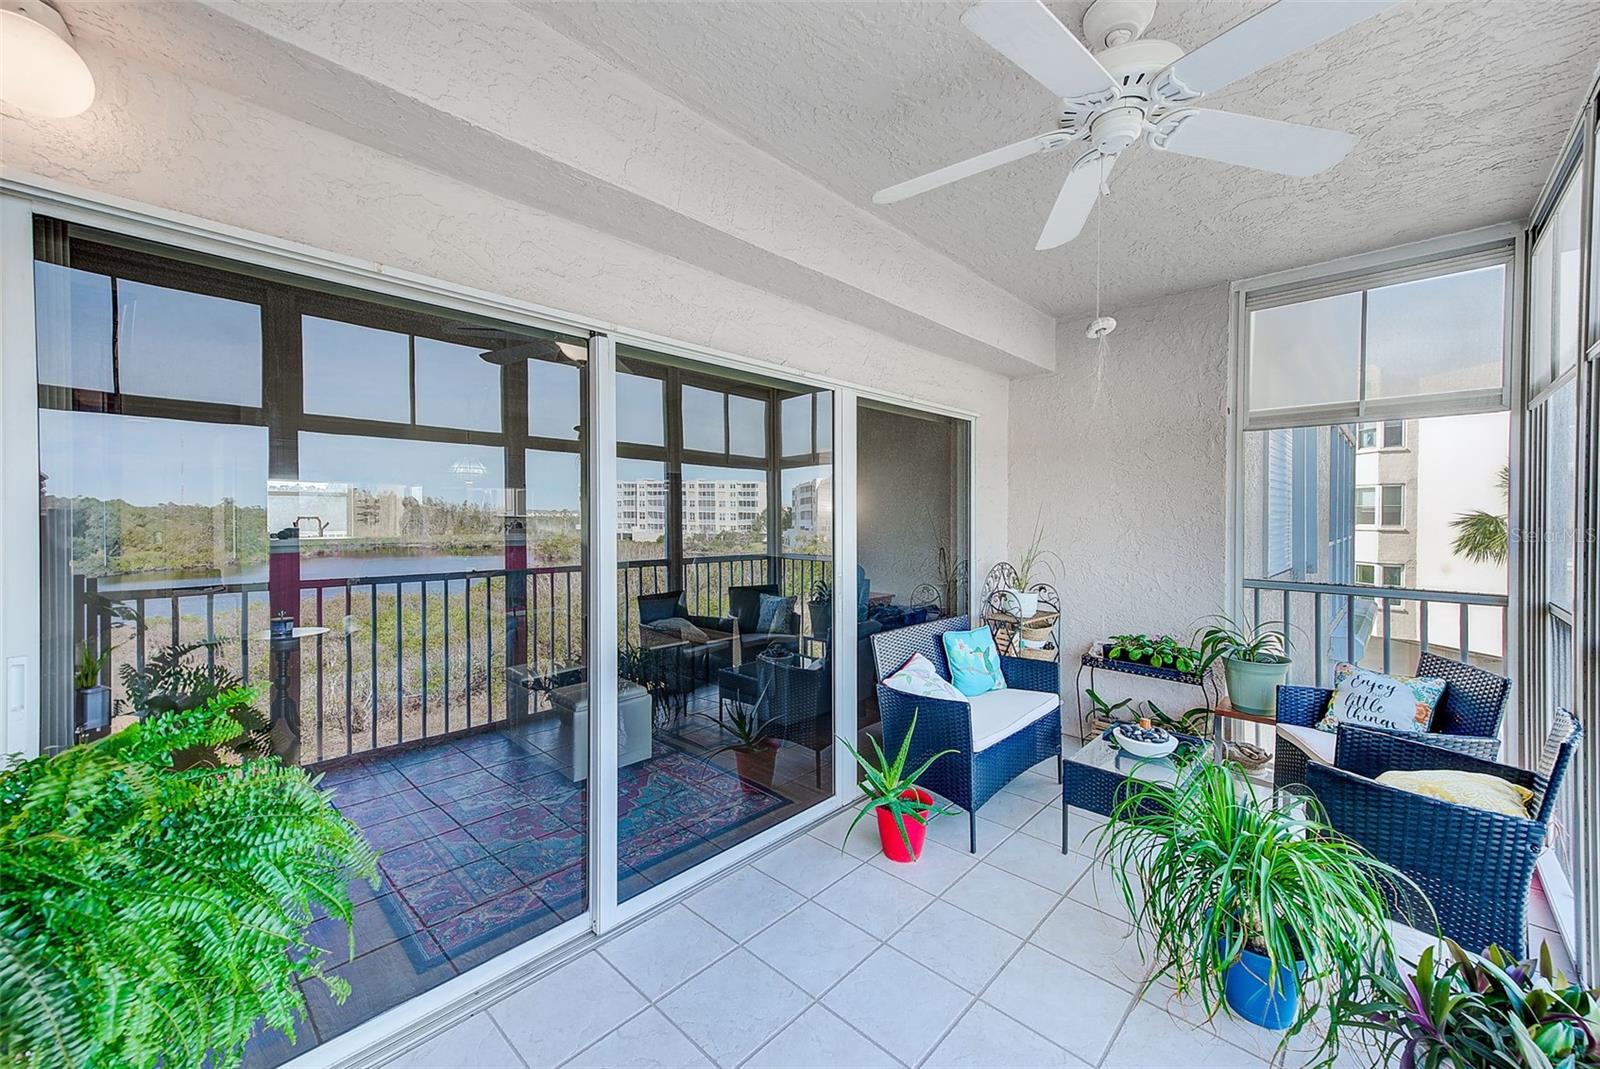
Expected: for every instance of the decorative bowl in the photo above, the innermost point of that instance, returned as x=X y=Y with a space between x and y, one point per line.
x=1145 y=747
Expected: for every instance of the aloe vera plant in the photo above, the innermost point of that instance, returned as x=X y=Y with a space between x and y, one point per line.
x=886 y=781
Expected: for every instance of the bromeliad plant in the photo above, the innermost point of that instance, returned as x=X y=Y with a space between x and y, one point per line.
x=886 y=785
x=1209 y=871
x=1162 y=651
x=1488 y=1012
x=151 y=916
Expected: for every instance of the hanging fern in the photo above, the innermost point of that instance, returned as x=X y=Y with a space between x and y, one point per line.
x=152 y=916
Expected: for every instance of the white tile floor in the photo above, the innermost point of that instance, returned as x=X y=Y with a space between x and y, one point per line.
x=813 y=956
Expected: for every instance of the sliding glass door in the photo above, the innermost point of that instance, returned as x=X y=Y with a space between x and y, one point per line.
x=403 y=491
x=725 y=510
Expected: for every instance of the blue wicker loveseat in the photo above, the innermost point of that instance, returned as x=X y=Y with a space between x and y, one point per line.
x=1475 y=866
x=996 y=737
x=1467 y=718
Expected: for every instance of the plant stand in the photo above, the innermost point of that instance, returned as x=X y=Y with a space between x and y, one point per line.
x=1008 y=629
x=1210 y=689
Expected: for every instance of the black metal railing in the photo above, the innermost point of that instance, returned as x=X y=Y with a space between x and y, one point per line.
x=405 y=657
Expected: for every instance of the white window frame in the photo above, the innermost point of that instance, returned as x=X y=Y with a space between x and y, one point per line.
x=1379 y=430
x=1378 y=506
x=1490 y=246
x=436 y=1009
x=1434 y=256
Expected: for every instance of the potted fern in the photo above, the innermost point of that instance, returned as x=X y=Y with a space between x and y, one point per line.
x=1251 y=903
x=903 y=809
x=153 y=915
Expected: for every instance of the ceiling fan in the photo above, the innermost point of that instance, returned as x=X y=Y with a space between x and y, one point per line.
x=1136 y=88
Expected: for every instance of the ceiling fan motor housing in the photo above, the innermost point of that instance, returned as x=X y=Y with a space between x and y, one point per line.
x=1134 y=65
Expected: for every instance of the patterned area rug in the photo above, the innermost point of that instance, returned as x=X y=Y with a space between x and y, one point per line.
x=483 y=839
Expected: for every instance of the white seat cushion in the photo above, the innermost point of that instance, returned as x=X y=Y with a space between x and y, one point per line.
x=1315 y=744
x=999 y=714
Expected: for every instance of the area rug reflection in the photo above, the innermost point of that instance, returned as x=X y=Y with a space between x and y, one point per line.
x=484 y=837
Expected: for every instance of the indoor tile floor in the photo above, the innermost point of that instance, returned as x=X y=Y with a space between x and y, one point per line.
x=810 y=955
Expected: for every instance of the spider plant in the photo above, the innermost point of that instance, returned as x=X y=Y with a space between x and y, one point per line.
x=1255 y=660
x=885 y=784
x=1264 y=642
x=1210 y=872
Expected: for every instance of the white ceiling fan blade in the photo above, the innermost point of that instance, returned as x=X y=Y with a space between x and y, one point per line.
x=1249 y=141
x=1076 y=200
x=1026 y=33
x=1262 y=40
x=967 y=168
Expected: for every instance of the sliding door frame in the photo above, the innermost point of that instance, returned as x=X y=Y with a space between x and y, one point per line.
x=21 y=197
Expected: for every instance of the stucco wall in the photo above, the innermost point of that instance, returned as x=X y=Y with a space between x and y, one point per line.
x=163 y=141
x=903 y=489
x=1126 y=463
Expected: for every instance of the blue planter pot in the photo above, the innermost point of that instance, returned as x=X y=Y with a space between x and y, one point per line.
x=1250 y=995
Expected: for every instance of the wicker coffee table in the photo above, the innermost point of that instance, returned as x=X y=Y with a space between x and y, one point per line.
x=1097 y=776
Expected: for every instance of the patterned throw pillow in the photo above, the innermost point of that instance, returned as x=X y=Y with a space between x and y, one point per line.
x=774 y=614
x=974 y=661
x=918 y=677
x=1371 y=699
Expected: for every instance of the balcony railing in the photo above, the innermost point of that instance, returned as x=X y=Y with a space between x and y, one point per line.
x=1369 y=625
x=407 y=657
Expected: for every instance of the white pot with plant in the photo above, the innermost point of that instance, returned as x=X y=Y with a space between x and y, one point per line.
x=1035 y=563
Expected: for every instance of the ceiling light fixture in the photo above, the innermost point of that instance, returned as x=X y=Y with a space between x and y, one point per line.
x=40 y=70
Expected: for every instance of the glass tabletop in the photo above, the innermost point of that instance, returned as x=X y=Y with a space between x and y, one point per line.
x=1102 y=755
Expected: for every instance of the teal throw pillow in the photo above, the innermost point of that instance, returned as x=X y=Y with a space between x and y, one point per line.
x=974 y=661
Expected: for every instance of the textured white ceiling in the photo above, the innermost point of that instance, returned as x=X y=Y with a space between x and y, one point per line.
x=1460 y=105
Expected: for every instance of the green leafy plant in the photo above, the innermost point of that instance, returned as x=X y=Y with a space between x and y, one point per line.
x=1208 y=869
x=1103 y=708
x=170 y=683
x=1193 y=721
x=746 y=723
x=1264 y=642
x=885 y=782
x=821 y=591
x=151 y=916
x=86 y=673
x=1488 y=1012
x=1162 y=651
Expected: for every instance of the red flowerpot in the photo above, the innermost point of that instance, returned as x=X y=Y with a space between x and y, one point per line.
x=894 y=846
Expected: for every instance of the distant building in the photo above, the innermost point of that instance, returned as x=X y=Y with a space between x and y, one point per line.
x=710 y=506
x=811 y=505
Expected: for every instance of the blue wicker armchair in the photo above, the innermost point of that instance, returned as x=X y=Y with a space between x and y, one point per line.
x=970 y=776
x=1467 y=718
x=1476 y=867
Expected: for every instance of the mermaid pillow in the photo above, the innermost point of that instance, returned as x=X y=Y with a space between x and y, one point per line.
x=1364 y=698
x=974 y=661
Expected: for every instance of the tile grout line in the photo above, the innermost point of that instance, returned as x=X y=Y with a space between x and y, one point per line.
x=977 y=997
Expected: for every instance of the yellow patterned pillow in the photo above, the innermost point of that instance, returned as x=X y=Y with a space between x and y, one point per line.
x=1476 y=789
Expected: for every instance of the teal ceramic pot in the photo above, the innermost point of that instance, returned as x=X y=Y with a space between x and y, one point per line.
x=1253 y=685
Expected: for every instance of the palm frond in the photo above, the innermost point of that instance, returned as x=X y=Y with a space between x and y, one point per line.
x=1481 y=537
